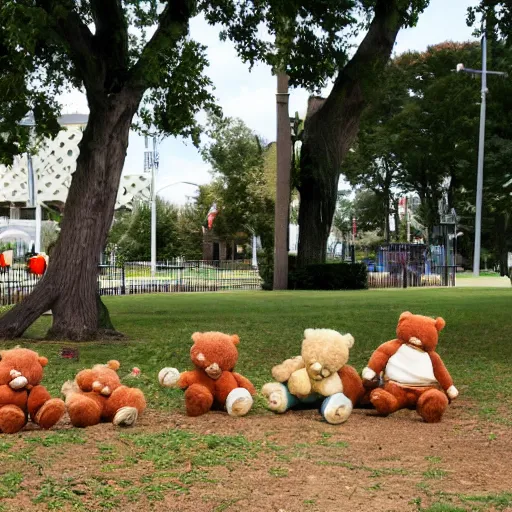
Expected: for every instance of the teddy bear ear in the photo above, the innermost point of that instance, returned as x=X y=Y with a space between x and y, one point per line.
x=114 y=365
x=404 y=315
x=235 y=338
x=43 y=361
x=440 y=323
x=349 y=340
x=196 y=337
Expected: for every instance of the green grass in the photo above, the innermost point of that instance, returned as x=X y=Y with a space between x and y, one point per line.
x=474 y=345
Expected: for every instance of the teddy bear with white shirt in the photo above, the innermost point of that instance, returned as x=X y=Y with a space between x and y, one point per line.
x=414 y=375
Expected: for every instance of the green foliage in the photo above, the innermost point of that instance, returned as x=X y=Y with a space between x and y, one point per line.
x=240 y=188
x=178 y=232
x=47 y=48
x=309 y=41
x=330 y=276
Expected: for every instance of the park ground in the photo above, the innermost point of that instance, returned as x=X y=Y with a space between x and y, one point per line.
x=267 y=462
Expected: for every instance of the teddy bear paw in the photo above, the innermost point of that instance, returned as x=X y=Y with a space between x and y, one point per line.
x=50 y=413
x=168 y=377
x=239 y=402
x=336 y=409
x=452 y=392
x=276 y=395
x=126 y=417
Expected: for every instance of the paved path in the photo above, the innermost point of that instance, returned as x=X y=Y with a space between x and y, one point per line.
x=490 y=282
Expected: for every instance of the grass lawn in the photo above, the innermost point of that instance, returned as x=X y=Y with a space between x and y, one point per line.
x=183 y=464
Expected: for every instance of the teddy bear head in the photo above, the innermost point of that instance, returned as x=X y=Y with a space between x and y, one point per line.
x=419 y=331
x=324 y=352
x=21 y=368
x=101 y=378
x=214 y=352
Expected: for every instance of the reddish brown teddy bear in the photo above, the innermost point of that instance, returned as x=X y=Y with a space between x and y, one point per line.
x=21 y=395
x=97 y=395
x=213 y=382
x=415 y=376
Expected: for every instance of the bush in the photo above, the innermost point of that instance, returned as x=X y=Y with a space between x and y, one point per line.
x=330 y=276
x=266 y=267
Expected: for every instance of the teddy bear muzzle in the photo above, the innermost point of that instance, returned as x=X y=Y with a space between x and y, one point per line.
x=18 y=380
x=98 y=387
x=415 y=341
x=213 y=371
x=318 y=372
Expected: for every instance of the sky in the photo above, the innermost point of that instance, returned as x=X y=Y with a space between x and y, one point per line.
x=251 y=95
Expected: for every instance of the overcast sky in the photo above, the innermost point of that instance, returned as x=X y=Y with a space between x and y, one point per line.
x=251 y=95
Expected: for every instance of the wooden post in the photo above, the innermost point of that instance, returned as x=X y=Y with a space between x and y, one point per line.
x=284 y=154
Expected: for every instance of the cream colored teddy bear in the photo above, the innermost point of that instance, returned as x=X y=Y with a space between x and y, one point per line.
x=320 y=371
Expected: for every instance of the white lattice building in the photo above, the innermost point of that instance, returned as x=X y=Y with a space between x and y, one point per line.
x=53 y=166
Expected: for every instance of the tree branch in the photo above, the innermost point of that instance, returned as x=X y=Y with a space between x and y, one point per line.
x=111 y=40
x=172 y=27
x=75 y=34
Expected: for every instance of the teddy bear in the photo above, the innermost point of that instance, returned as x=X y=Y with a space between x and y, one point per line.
x=213 y=383
x=414 y=375
x=97 y=395
x=319 y=375
x=21 y=393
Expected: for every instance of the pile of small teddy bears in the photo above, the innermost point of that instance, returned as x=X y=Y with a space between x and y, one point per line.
x=405 y=372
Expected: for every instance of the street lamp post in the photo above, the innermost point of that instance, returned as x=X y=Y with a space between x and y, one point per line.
x=481 y=144
x=154 y=194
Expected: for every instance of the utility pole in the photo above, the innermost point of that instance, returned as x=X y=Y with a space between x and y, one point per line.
x=282 y=208
x=151 y=164
x=481 y=146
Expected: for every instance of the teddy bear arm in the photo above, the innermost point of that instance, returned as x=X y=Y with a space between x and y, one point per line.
x=37 y=397
x=353 y=387
x=9 y=396
x=381 y=355
x=282 y=372
x=244 y=383
x=187 y=379
x=299 y=383
x=440 y=371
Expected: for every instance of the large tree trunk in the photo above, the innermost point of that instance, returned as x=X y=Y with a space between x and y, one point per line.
x=331 y=127
x=70 y=288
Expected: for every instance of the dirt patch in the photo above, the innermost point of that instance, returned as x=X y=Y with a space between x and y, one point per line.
x=263 y=462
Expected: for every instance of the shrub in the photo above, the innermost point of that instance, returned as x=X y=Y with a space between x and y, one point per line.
x=266 y=267
x=329 y=276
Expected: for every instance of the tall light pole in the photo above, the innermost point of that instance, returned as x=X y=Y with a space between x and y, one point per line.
x=154 y=194
x=481 y=145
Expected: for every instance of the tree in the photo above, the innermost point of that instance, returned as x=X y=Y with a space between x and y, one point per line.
x=318 y=52
x=241 y=180
x=128 y=56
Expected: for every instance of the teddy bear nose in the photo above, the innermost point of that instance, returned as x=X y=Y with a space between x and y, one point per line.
x=316 y=367
x=415 y=341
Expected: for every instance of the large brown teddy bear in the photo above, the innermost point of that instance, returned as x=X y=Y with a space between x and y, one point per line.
x=97 y=395
x=415 y=376
x=213 y=383
x=21 y=394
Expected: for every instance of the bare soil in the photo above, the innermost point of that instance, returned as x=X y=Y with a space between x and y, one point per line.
x=370 y=463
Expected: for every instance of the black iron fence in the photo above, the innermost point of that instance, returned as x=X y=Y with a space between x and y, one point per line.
x=206 y=276
x=139 y=277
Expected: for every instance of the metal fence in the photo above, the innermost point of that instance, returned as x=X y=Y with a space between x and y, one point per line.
x=15 y=283
x=208 y=276
x=412 y=276
x=136 y=277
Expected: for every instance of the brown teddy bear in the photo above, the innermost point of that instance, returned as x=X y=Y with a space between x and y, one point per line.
x=415 y=376
x=21 y=394
x=97 y=395
x=213 y=382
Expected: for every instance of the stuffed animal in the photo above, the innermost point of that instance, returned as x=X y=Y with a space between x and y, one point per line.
x=414 y=374
x=319 y=375
x=213 y=383
x=21 y=394
x=97 y=395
